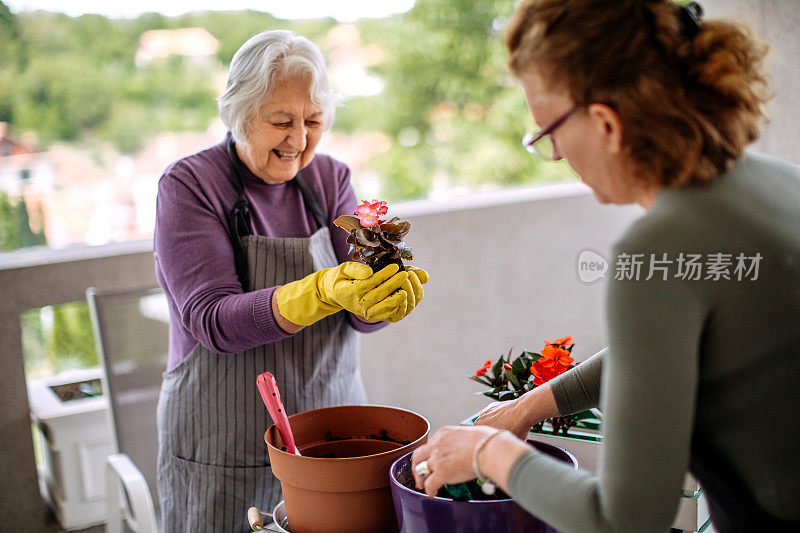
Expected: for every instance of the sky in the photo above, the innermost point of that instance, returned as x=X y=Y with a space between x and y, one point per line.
x=341 y=10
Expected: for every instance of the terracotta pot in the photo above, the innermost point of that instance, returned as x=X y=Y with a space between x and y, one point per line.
x=419 y=513
x=345 y=488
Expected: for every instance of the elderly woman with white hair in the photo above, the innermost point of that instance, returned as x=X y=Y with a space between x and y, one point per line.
x=258 y=280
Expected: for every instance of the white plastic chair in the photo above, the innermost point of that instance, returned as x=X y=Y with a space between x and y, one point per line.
x=131 y=331
x=128 y=499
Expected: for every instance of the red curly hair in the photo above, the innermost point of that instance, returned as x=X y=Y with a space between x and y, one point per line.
x=690 y=99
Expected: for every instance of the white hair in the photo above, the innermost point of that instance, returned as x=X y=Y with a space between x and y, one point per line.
x=258 y=65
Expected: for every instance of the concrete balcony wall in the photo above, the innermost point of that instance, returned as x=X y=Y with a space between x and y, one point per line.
x=504 y=274
x=777 y=22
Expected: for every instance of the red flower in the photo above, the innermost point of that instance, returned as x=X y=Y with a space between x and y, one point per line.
x=486 y=366
x=507 y=367
x=543 y=374
x=563 y=341
x=370 y=213
x=553 y=356
x=555 y=359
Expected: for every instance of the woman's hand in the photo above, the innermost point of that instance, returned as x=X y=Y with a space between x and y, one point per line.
x=412 y=287
x=519 y=415
x=351 y=286
x=449 y=456
x=375 y=296
x=412 y=291
x=505 y=415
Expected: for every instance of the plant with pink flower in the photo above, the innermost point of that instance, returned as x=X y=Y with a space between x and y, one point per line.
x=369 y=213
x=373 y=241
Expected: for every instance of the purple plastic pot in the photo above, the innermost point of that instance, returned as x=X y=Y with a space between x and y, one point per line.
x=418 y=513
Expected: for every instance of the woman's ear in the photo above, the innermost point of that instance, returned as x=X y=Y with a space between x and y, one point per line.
x=608 y=126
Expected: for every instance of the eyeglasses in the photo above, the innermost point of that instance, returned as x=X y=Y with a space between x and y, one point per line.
x=540 y=143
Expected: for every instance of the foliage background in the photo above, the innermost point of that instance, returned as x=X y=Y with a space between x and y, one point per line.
x=449 y=108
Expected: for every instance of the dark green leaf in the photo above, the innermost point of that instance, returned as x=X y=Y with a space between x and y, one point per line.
x=506 y=395
x=497 y=369
x=512 y=378
x=481 y=379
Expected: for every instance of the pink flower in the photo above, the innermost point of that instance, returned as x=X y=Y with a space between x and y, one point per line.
x=369 y=213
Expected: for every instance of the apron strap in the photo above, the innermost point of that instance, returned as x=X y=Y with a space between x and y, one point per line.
x=240 y=220
x=311 y=200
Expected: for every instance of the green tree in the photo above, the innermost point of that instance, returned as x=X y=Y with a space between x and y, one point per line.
x=34 y=345
x=78 y=80
x=27 y=236
x=71 y=342
x=15 y=229
x=62 y=98
x=9 y=226
x=451 y=110
x=9 y=35
x=10 y=53
x=450 y=106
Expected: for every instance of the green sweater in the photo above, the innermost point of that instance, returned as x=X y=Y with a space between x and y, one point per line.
x=700 y=374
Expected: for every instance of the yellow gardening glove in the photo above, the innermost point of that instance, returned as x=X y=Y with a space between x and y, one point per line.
x=351 y=286
x=413 y=289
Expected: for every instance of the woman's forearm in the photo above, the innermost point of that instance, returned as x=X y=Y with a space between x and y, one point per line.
x=579 y=388
x=538 y=404
x=286 y=325
x=499 y=455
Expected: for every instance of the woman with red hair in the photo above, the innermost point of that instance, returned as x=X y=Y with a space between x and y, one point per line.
x=651 y=104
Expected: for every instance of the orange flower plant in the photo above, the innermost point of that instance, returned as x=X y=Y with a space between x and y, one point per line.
x=510 y=379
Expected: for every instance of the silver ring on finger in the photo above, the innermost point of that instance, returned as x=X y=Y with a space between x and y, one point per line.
x=422 y=469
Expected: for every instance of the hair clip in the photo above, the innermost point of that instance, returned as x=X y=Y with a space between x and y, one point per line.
x=689 y=16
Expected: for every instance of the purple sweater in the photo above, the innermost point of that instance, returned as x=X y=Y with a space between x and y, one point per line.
x=194 y=257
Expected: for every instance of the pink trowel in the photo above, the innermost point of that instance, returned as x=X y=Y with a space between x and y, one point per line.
x=272 y=399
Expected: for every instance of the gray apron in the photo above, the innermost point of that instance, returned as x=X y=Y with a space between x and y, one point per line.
x=212 y=461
